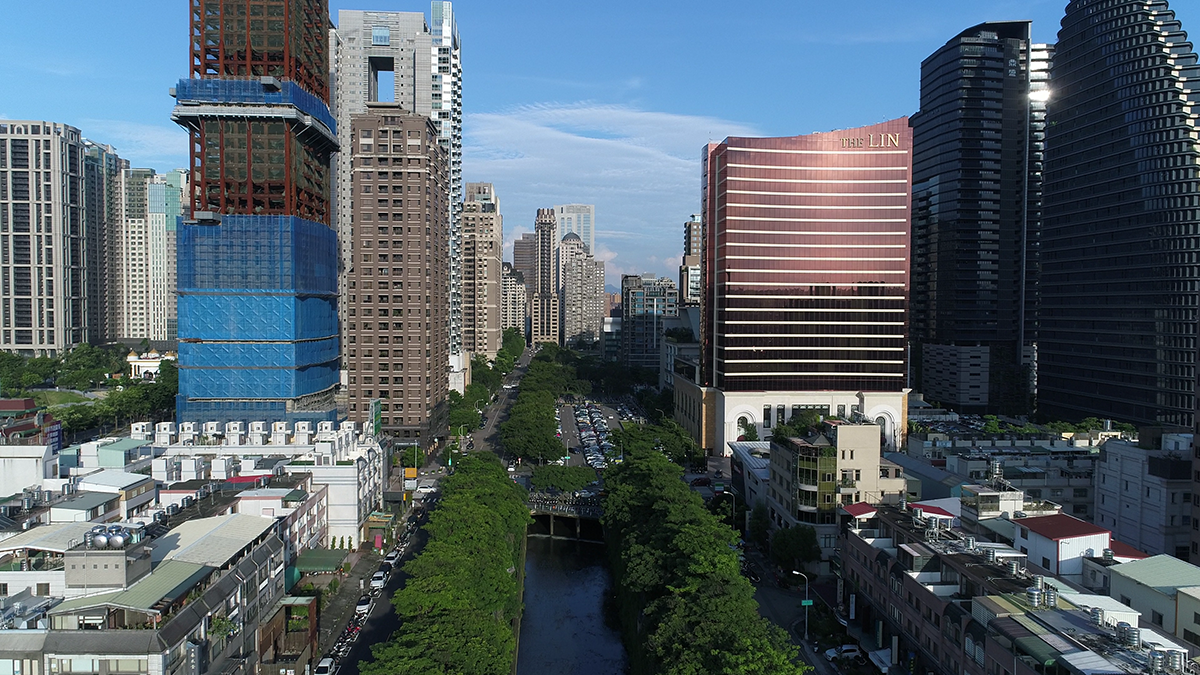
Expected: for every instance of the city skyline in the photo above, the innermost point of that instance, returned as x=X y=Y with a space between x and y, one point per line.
x=639 y=114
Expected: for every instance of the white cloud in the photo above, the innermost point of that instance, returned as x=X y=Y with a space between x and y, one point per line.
x=159 y=146
x=640 y=168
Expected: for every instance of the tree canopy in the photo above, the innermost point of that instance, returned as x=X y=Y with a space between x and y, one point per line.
x=459 y=605
x=684 y=606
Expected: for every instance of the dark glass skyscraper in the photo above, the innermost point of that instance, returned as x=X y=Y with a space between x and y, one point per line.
x=1120 y=239
x=258 y=260
x=977 y=163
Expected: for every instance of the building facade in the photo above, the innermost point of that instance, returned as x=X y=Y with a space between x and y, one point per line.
x=646 y=301
x=422 y=60
x=543 y=301
x=1144 y=494
x=398 y=325
x=482 y=255
x=257 y=258
x=1118 y=270
x=43 y=282
x=103 y=170
x=165 y=205
x=579 y=219
x=513 y=301
x=582 y=292
x=978 y=143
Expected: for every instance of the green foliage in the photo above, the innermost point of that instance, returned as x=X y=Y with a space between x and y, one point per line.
x=684 y=607
x=459 y=606
x=668 y=438
x=800 y=425
x=562 y=478
x=991 y=424
x=529 y=430
x=615 y=379
x=681 y=334
x=749 y=431
x=760 y=525
x=482 y=373
x=792 y=547
x=513 y=342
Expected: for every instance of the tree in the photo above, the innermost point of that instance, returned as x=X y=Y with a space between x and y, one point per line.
x=749 y=430
x=792 y=547
x=760 y=526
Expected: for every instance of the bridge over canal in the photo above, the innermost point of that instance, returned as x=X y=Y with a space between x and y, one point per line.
x=566 y=517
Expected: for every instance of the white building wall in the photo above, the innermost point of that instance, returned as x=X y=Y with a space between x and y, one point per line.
x=889 y=408
x=1150 y=513
x=1144 y=599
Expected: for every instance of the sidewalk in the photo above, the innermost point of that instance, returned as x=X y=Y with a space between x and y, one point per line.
x=340 y=607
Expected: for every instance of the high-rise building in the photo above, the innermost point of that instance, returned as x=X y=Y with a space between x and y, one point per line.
x=103 y=170
x=421 y=62
x=525 y=256
x=43 y=283
x=483 y=250
x=693 y=236
x=514 y=301
x=977 y=158
x=164 y=207
x=258 y=259
x=806 y=298
x=583 y=300
x=544 y=312
x=397 y=329
x=132 y=271
x=1117 y=335
x=579 y=219
x=646 y=301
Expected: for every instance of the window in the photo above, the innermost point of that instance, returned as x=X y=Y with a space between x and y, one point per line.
x=1125 y=600
x=381 y=35
x=1046 y=563
x=43 y=590
x=3 y=589
x=1156 y=618
x=1081 y=492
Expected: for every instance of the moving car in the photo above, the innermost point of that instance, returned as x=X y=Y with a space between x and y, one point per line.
x=844 y=652
x=392 y=557
x=703 y=481
x=378 y=581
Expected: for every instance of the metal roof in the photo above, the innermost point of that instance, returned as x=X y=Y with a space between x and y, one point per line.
x=1155 y=572
x=111 y=479
x=169 y=581
x=320 y=560
x=57 y=538
x=210 y=541
x=86 y=501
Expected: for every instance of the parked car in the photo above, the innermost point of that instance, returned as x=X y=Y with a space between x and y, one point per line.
x=845 y=652
x=392 y=557
x=363 y=606
x=703 y=481
x=325 y=667
x=378 y=581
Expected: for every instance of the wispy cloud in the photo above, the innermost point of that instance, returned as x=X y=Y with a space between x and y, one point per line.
x=160 y=146
x=640 y=168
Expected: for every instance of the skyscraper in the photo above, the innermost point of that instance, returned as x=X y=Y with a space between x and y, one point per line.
x=691 y=282
x=1119 y=235
x=43 y=287
x=398 y=328
x=258 y=259
x=693 y=236
x=977 y=157
x=102 y=216
x=483 y=250
x=421 y=61
x=646 y=301
x=544 y=312
x=133 y=238
x=579 y=219
x=514 y=302
x=164 y=206
x=582 y=300
x=806 y=298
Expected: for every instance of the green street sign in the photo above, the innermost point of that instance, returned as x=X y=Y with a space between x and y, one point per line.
x=806 y=603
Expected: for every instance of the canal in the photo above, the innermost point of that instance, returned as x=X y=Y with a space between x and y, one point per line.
x=563 y=629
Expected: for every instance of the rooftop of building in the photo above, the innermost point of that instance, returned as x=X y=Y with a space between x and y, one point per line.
x=1165 y=574
x=86 y=501
x=211 y=541
x=56 y=538
x=1060 y=526
x=112 y=478
x=10 y=407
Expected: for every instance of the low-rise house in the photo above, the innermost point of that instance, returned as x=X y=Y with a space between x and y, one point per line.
x=136 y=492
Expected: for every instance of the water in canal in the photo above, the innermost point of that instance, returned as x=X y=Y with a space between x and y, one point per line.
x=563 y=629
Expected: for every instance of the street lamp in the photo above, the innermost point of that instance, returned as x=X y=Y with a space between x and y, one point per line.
x=807 y=602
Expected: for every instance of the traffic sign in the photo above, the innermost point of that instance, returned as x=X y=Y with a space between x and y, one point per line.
x=806 y=603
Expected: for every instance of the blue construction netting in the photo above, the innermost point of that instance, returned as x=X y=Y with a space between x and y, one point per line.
x=258 y=354
x=261 y=382
x=245 y=411
x=258 y=254
x=252 y=91
x=245 y=316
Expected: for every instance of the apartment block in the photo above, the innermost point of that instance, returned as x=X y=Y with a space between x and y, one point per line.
x=1144 y=495
x=482 y=256
x=581 y=279
x=544 y=313
x=514 y=302
x=647 y=301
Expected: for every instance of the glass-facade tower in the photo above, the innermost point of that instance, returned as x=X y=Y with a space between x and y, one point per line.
x=977 y=169
x=258 y=259
x=806 y=261
x=1120 y=232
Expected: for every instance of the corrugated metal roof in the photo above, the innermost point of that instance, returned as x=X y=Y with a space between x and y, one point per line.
x=86 y=501
x=169 y=581
x=210 y=541
x=1163 y=573
x=57 y=538
x=111 y=479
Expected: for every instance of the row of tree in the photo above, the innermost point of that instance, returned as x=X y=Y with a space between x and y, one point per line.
x=561 y=478
x=485 y=381
x=84 y=367
x=684 y=606
x=532 y=424
x=460 y=603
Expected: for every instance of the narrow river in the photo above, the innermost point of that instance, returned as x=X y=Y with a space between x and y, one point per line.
x=563 y=629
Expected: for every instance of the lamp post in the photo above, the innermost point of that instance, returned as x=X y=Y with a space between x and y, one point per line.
x=806 y=602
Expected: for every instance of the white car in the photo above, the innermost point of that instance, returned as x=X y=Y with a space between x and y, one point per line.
x=364 y=605
x=392 y=557
x=844 y=652
x=378 y=581
x=325 y=667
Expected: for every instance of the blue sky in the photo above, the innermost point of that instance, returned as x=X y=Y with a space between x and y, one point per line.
x=606 y=103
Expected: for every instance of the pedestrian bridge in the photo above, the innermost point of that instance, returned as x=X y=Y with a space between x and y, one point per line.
x=566 y=517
